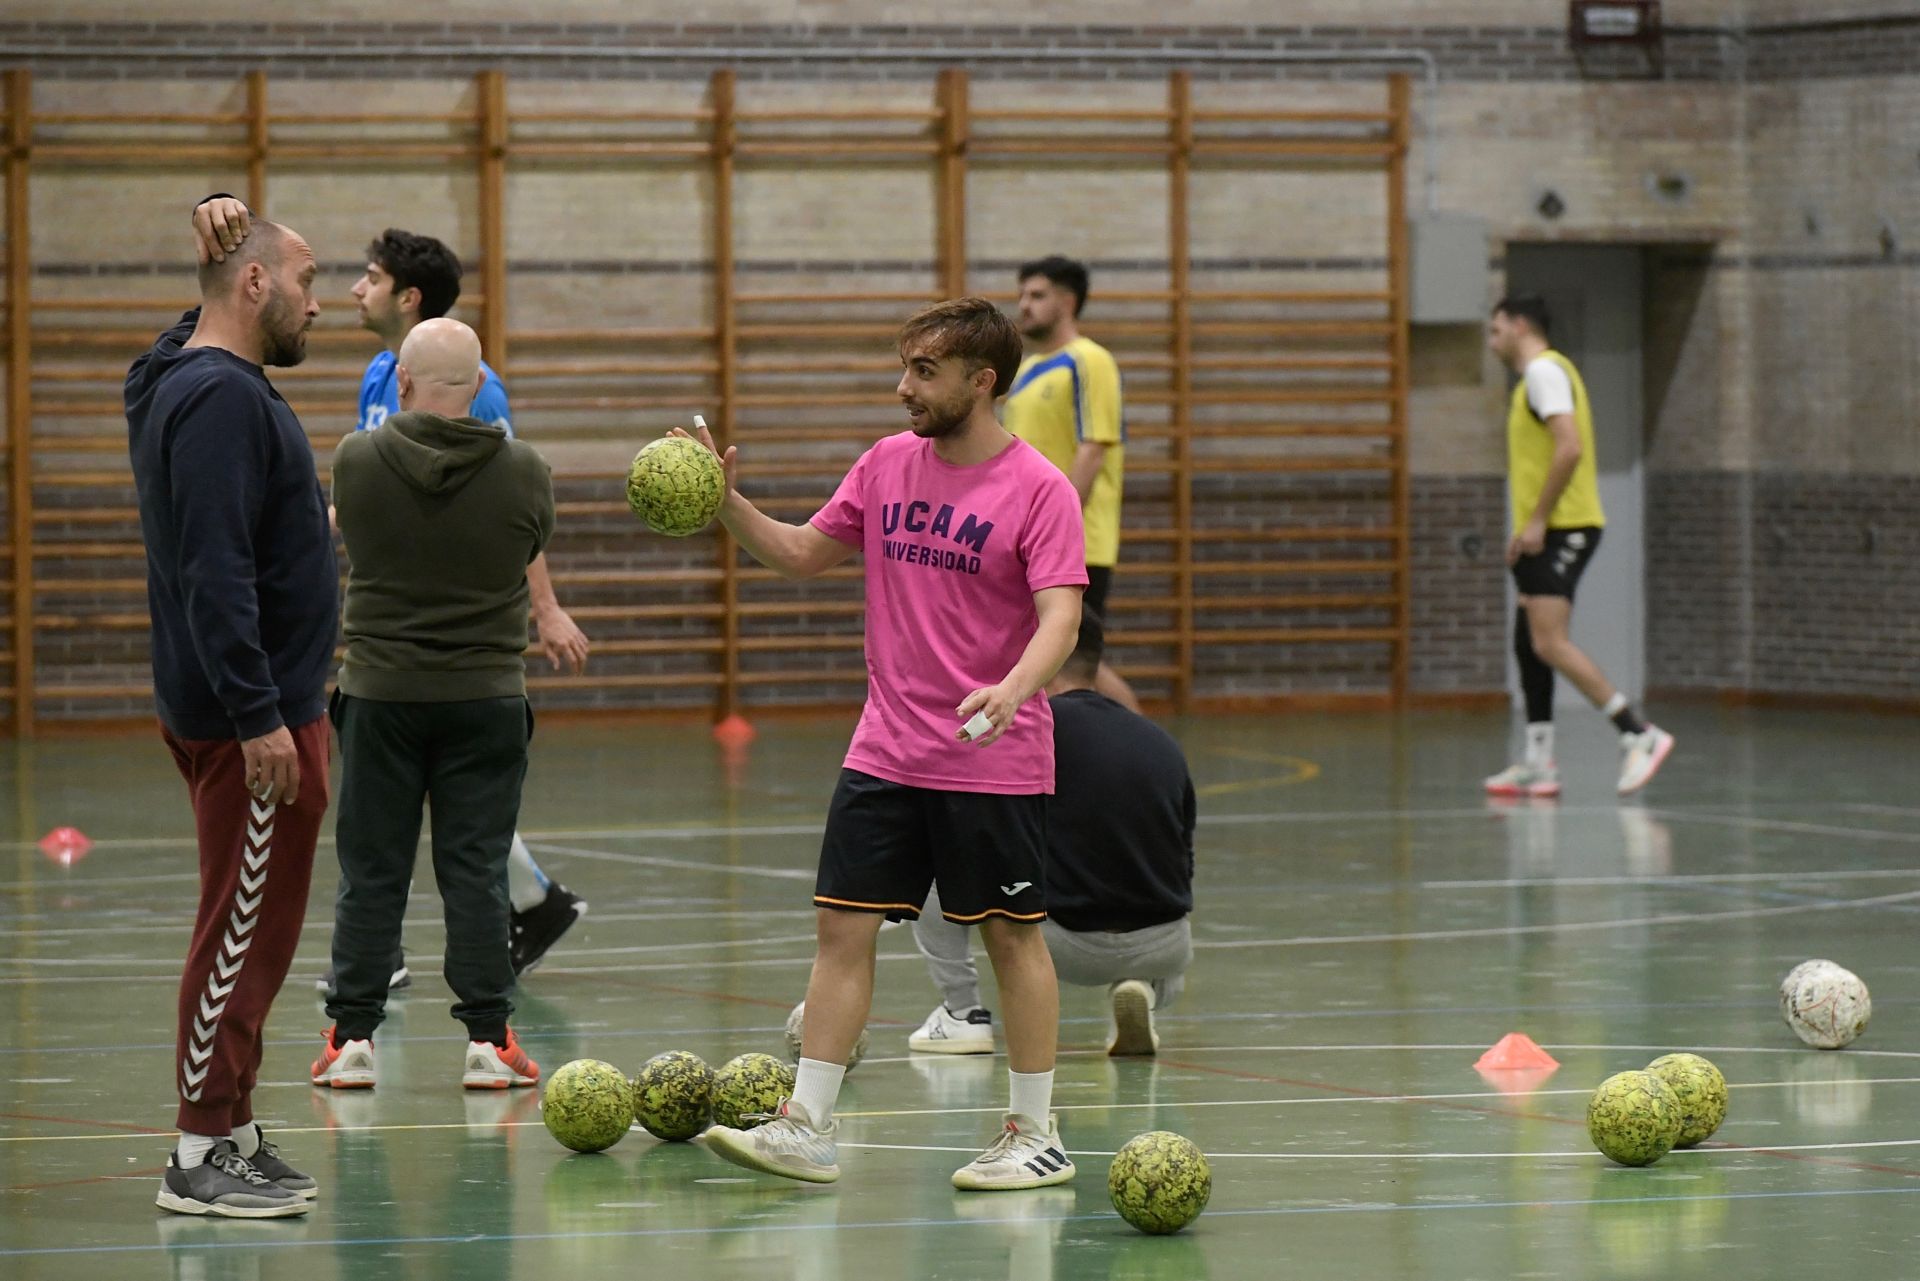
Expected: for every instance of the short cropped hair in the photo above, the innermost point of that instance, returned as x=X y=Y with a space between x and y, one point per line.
x=1091 y=646
x=1531 y=308
x=265 y=244
x=419 y=262
x=972 y=329
x=1064 y=272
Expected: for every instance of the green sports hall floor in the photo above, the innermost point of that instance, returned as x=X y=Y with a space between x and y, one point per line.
x=1367 y=924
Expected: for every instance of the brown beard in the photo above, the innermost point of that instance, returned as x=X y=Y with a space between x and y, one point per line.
x=283 y=331
x=944 y=419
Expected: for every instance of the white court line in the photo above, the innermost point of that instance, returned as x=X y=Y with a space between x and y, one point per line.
x=1559 y=927
x=1587 y=1154
x=1701 y=878
x=679 y=864
x=183 y=924
x=1327 y=940
x=1867 y=807
x=422 y=958
x=691 y=832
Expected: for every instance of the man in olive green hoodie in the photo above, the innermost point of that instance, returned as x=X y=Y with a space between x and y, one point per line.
x=441 y=515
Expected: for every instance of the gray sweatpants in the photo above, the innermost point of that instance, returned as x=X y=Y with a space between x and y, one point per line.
x=1158 y=954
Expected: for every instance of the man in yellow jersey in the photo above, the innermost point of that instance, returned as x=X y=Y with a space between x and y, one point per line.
x=1557 y=520
x=1065 y=402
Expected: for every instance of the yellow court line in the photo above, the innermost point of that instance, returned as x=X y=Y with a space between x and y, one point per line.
x=1302 y=771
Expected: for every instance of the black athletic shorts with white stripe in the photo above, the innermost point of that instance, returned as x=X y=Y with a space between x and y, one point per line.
x=886 y=843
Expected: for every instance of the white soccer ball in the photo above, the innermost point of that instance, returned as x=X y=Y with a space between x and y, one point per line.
x=1792 y=981
x=795 y=1025
x=1828 y=1007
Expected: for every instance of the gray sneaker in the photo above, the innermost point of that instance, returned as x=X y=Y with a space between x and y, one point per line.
x=788 y=1145
x=226 y=1184
x=277 y=1172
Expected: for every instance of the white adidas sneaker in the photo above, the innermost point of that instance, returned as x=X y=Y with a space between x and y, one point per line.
x=1026 y=1155
x=789 y=1145
x=945 y=1033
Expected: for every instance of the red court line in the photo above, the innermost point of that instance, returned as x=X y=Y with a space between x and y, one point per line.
x=94 y=1178
x=74 y=1120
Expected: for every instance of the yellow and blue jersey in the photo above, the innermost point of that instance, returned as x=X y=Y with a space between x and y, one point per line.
x=1062 y=399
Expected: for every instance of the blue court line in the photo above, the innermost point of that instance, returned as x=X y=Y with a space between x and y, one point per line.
x=507 y=1238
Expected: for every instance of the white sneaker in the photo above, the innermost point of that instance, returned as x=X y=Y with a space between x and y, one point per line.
x=789 y=1145
x=1026 y=1155
x=1133 y=1032
x=489 y=1067
x=350 y=1067
x=1531 y=781
x=944 y=1033
x=1644 y=754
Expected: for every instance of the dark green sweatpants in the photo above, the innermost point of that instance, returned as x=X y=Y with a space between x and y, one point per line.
x=468 y=759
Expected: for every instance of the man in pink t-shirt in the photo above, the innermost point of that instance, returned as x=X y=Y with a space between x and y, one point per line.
x=975 y=564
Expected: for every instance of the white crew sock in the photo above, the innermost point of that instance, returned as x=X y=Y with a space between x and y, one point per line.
x=816 y=1087
x=1540 y=744
x=192 y=1149
x=1615 y=705
x=526 y=883
x=247 y=1138
x=1030 y=1094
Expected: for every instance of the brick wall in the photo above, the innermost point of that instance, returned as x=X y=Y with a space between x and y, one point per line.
x=1836 y=585
x=1460 y=622
x=1784 y=381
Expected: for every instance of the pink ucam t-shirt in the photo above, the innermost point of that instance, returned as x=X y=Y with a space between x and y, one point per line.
x=954 y=556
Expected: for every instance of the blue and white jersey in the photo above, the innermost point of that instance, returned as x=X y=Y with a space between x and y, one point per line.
x=380 y=396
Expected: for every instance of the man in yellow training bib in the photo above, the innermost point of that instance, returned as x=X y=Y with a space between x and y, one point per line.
x=1557 y=520
x=1066 y=403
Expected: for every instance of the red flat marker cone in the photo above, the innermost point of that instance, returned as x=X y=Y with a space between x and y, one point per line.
x=1515 y=1051
x=734 y=731
x=65 y=845
x=1516 y=1080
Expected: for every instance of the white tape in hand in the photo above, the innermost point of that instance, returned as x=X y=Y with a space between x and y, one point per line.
x=699 y=423
x=978 y=726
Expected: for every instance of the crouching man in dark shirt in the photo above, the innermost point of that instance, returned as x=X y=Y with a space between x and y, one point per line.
x=1119 y=871
x=441 y=514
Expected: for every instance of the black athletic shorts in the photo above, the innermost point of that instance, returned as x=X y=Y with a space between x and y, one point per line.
x=887 y=842
x=1556 y=570
x=1099 y=579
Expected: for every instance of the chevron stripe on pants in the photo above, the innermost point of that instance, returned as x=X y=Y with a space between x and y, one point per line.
x=255 y=865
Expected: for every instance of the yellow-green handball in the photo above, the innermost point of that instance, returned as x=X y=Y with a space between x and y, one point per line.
x=676 y=486
x=587 y=1105
x=1633 y=1118
x=1159 y=1182
x=749 y=1085
x=1701 y=1091
x=673 y=1095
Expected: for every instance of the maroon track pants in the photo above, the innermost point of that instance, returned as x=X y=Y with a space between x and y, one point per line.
x=256 y=862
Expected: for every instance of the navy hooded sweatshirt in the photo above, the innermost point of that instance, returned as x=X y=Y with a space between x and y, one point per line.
x=242 y=583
